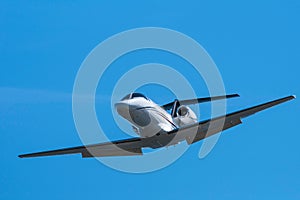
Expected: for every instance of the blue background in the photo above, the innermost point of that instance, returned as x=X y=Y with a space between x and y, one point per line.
x=255 y=45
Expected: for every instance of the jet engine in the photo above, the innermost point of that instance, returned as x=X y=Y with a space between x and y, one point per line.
x=185 y=116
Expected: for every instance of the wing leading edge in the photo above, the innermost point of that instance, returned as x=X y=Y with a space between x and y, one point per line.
x=192 y=133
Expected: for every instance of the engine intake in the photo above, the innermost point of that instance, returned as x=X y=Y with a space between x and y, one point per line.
x=185 y=116
x=183 y=111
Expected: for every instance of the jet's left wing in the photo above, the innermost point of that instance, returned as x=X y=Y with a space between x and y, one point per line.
x=127 y=147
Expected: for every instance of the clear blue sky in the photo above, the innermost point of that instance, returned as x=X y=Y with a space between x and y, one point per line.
x=255 y=44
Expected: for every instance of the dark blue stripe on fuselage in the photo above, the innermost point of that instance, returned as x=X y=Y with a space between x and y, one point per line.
x=161 y=114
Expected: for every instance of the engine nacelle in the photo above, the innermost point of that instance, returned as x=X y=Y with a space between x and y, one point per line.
x=185 y=116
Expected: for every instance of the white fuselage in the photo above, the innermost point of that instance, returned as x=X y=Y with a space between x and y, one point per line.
x=148 y=118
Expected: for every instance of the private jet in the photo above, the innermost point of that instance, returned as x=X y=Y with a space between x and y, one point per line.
x=161 y=126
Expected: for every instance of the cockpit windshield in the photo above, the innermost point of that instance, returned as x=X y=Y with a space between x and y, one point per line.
x=128 y=96
x=133 y=95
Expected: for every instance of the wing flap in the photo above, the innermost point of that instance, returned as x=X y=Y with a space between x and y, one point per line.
x=98 y=152
x=214 y=128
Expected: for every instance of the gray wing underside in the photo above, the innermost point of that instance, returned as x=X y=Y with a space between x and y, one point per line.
x=125 y=147
x=191 y=133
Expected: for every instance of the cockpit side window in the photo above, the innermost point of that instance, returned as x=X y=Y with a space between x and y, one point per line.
x=138 y=95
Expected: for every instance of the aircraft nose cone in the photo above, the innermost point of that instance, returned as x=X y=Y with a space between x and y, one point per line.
x=122 y=109
x=132 y=114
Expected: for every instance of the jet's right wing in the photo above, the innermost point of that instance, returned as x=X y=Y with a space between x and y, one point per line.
x=204 y=129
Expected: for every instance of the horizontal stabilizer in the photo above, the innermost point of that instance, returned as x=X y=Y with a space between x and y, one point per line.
x=198 y=100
